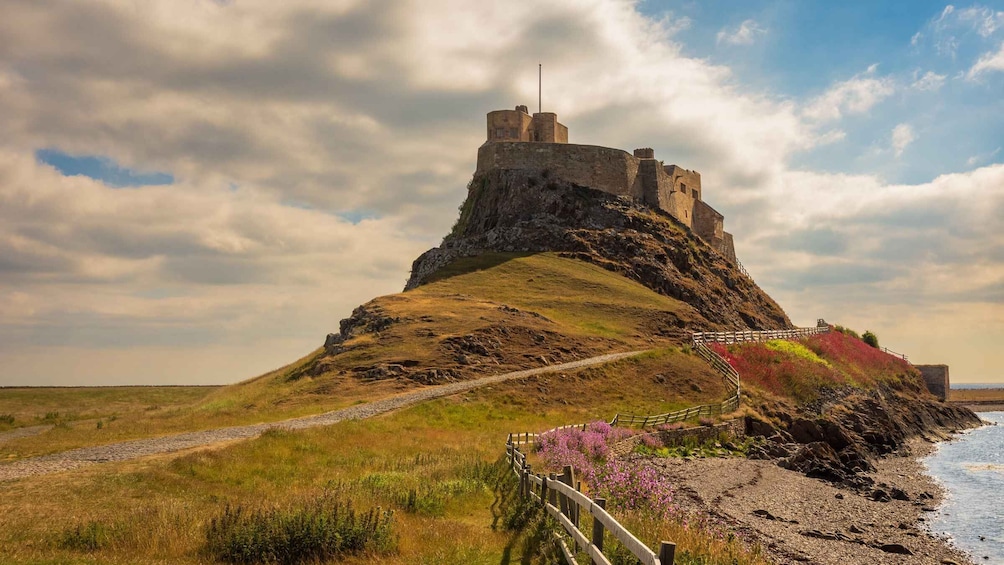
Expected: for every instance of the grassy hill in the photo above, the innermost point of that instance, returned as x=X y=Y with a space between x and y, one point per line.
x=484 y=315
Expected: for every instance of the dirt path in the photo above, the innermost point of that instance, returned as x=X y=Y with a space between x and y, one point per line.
x=123 y=451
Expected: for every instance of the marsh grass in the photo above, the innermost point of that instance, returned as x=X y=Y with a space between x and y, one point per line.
x=433 y=464
x=303 y=532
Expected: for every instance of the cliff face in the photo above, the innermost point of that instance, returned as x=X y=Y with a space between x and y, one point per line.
x=523 y=211
x=838 y=437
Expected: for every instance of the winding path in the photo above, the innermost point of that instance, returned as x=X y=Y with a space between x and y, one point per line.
x=73 y=459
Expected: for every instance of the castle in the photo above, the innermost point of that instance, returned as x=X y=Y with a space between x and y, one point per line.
x=517 y=140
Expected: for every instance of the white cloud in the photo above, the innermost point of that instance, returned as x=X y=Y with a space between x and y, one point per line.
x=931 y=81
x=982 y=158
x=334 y=108
x=902 y=135
x=985 y=21
x=377 y=108
x=988 y=62
x=746 y=34
x=856 y=95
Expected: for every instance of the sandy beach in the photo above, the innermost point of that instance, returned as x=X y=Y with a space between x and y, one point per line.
x=802 y=520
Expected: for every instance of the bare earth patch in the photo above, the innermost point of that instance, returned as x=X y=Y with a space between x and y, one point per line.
x=803 y=520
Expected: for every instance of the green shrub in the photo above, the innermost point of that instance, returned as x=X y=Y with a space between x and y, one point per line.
x=88 y=537
x=306 y=533
x=6 y=419
x=870 y=338
x=846 y=331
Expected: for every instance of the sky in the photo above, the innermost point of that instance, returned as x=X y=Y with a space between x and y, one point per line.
x=197 y=191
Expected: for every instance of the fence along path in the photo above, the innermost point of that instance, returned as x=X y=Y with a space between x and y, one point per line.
x=561 y=496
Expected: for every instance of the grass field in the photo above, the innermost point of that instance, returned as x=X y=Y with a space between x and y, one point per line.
x=431 y=464
x=986 y=395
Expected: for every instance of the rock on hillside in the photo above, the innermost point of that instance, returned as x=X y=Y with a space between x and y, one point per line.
x=523 y=211
x=837 y=437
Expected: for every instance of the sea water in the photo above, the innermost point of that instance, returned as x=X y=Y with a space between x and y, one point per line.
x=971 y=469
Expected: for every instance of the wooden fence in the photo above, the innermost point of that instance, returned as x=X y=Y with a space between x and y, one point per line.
x=563 y=500
x=893 y=353
x=561 y=496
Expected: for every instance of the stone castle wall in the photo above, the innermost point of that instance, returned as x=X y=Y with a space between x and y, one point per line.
x=610 y=170
x=518 y=141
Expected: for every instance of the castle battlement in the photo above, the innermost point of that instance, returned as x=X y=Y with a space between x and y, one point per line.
x=538 y=143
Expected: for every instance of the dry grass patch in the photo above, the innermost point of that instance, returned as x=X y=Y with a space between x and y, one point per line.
x=432 y=464
x=976 y=395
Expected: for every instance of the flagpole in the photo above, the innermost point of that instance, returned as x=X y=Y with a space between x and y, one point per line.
x=540 y=76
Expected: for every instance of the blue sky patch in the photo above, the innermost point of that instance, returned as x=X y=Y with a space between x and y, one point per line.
x=99 y=168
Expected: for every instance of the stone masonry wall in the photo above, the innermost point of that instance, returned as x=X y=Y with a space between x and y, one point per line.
x=640 y=177
x=728 y=247
x=735 y=429
x=509 y=125
x=610 y=170
x=708 y=224
x=936 y=379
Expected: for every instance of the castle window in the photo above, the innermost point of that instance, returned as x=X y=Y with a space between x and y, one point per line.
x=514 y=133
x=499 y=133
x=683 y=188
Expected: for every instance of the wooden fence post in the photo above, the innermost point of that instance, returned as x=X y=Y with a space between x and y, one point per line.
x=543 y=490
x=552 y=495
x=567 y=477
x=667 y=553
x=598 y=526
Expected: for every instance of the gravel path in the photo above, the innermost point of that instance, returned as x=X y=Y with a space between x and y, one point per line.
x=123 y=451
x=23 y=432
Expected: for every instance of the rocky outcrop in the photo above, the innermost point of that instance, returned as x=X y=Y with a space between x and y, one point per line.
x=838 y=438
x=523 y=211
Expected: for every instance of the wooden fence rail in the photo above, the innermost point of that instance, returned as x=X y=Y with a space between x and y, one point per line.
x=893 y=353
x=563 y=501
x=561 y=496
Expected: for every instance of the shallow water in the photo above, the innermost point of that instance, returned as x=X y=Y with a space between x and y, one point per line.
x=971 y=468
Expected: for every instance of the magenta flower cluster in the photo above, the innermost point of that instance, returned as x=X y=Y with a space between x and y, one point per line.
x=625 y=485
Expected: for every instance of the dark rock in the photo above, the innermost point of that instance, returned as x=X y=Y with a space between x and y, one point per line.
x=764 y=514
x=895 y=548
x=805 y=431
x=817 y=460
x=898 y=494
x=509 y=210
x=839 y=496
x=879 y=495
x=758 y=428
x=855 y=530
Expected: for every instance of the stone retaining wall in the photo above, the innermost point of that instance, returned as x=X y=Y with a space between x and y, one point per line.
x=735 y=429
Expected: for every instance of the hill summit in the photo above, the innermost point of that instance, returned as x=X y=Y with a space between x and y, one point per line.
x=629 y=214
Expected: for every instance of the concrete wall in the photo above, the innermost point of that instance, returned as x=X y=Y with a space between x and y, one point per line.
x=936 y=379
x=602 y=168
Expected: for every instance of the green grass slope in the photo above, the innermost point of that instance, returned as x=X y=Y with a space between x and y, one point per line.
x=483 y=315
x=430 y=464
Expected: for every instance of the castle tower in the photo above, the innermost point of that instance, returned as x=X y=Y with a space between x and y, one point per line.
x=518 y=125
